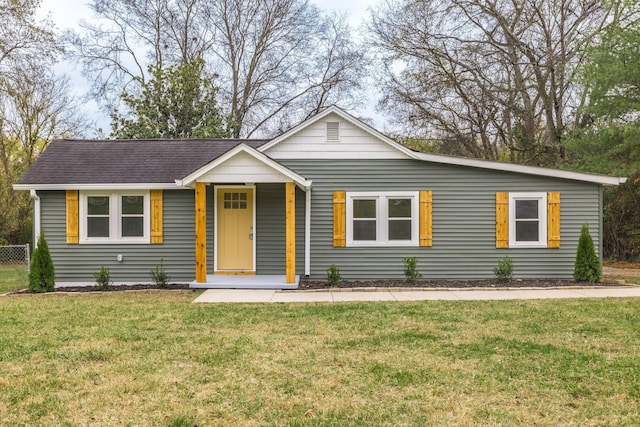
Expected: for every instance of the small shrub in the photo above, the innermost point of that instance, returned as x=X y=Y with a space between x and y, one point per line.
x=103 y=278
x=42 y=276
x=159 y=276
x=411 y=273
x=587 y=266
x=504 y=270
x=333 y=275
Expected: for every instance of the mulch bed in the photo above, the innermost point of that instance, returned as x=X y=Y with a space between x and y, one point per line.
x=522 y=283
x=317 y=284
x=136 y=287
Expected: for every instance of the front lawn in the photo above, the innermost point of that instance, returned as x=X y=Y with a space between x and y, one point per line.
x=13 y=277
x=153 y=358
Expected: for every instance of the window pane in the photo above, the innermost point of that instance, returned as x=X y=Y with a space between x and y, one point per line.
x=527 y=231
x=132 y=205
x=132 y=227
x=400 y=230
x=364 y=230
x=98 y=205
x=364 y=208
x=98 y=226
x=399 y=208
x=526 y=209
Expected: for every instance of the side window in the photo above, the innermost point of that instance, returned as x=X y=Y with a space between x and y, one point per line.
x=527 y=219
x=382 y=219
x=114 y=217
x=400 y=218
x=98 y=208
x=132 y=214
x=365 y=222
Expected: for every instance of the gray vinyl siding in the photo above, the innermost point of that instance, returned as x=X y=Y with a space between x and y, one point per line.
x=270 y=229
x=463 y=219
x=78 y=262
x=463 y=226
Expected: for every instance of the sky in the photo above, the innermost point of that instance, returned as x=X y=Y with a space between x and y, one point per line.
x=68 y=13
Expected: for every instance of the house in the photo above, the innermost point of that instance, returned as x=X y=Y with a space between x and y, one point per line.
x=332 y=190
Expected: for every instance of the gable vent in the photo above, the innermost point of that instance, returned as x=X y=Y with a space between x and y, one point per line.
x=333 y=131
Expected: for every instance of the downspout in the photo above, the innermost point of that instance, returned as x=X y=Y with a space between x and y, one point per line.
x=36 y=217
x=307 y=233
x=600 y=224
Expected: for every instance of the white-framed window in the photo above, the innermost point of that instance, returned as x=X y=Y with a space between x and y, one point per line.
x=114 y=217
x=528 y=220
x=382 y=219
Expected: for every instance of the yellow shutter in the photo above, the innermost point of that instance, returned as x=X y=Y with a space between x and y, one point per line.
x=553 y=219
x=502 y=220
x=426 y=230
x=156 y=217
x=72 y=216
x=339 y=219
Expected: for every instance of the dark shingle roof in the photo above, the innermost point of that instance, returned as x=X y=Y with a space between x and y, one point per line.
x=125 y=162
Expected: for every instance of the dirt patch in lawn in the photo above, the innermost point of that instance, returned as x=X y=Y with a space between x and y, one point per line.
x=622 y=264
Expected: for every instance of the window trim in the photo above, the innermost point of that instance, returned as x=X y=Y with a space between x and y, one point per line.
x=382 y=218
x=115 y=217
x=541 y=197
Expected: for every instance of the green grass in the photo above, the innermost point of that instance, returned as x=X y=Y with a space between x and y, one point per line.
x=153 y=358
x=13 y=277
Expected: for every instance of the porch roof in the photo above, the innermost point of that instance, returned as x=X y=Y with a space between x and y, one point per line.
x=244 y=163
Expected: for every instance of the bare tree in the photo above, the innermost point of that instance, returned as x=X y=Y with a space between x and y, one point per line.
x=22 y=39
x=34 y=106
x=282 y=55
x=488 y=77
x=276 y=60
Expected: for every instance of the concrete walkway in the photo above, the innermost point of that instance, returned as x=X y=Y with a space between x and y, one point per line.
x=389 y=294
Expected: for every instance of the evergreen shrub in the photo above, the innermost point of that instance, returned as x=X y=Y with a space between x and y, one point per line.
x=587 y=267
x=42 y=275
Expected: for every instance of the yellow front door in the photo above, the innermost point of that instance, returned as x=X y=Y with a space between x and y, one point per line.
x=235 y=230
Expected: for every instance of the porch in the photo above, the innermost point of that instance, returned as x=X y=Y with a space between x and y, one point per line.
x=256 y=281
x=232 y=232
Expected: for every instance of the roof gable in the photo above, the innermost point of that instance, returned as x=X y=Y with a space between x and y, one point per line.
x=334 y=134
x=308 y=141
